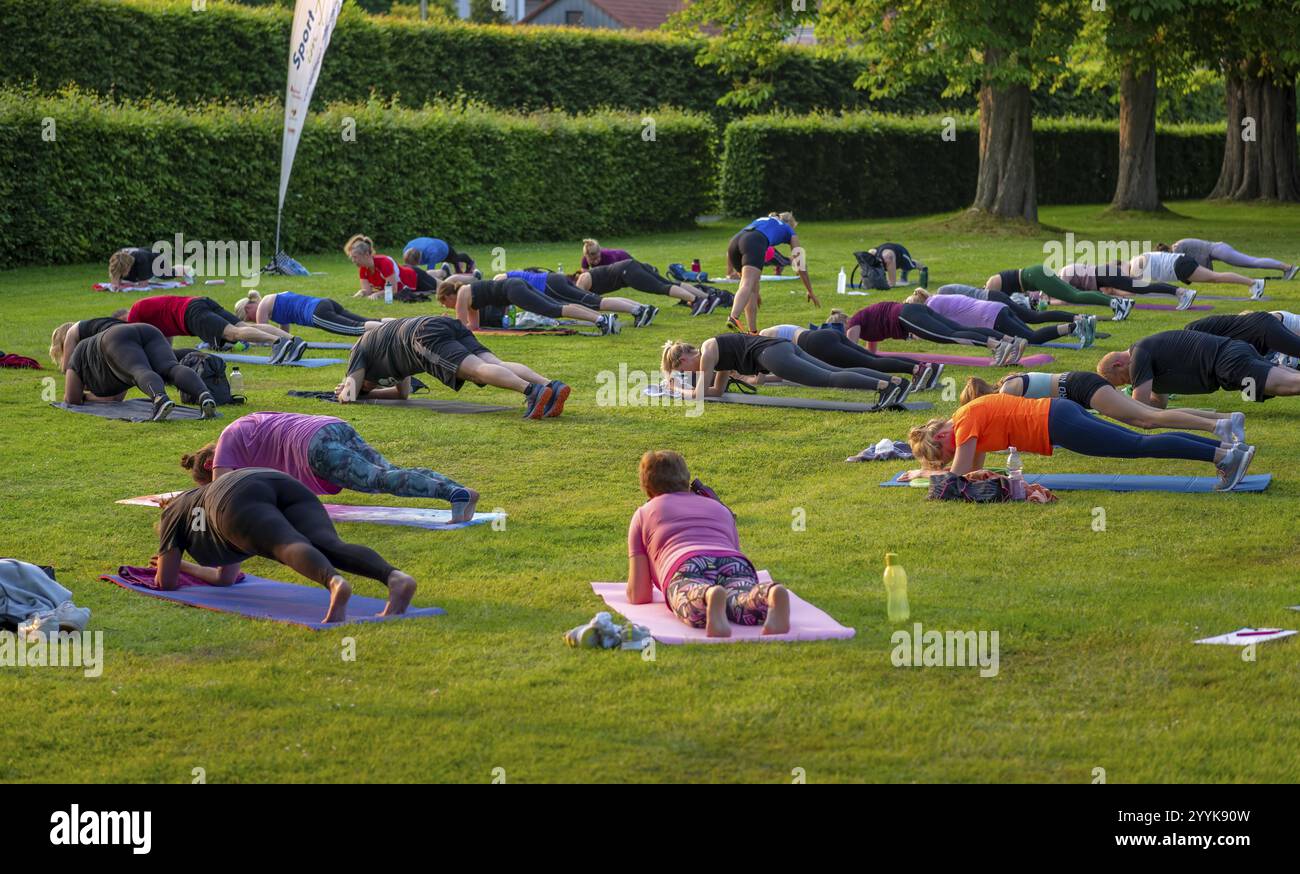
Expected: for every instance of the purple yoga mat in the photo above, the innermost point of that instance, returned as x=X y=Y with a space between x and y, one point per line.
x=258 y=598
x=806 y=621
x=970 y=361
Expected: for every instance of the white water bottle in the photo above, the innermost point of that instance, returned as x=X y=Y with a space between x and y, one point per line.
x=841 y=282
x=236 y=380
x=388 y=292
x=1016 y=473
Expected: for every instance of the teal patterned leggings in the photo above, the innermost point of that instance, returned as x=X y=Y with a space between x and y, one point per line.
x=338 y=454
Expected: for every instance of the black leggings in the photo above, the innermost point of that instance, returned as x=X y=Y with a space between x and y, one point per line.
x=1278 y=339
x=462 y=262
x=791 y=363
x=279 y=518
x=424 y=280
x=1030 y=316
x=142 y=352
x=919 y=319
x=1125 y=283
x=641 y=276
x=524 y=296
x=1009 y=323
x=1072 y=427
x=831 y=346
x=330 y=316
x=562 y=288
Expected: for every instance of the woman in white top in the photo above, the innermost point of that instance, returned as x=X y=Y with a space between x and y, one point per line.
x=1169 y=266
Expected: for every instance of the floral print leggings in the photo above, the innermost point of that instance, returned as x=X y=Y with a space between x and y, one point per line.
x=746 y=596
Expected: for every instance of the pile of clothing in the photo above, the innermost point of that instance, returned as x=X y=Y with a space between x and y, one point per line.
x=602 y=633
x=33 y=603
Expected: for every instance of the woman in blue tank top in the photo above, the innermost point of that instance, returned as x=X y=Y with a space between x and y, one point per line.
x=746 y=256
x=285 y=308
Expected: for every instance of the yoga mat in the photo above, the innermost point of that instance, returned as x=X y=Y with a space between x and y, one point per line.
x=329 y=345
x=414 y=517
x=1077 y=347
x=1245 y=299
x=1170 y=306
x=263 y=359
x=433 y=404
x=258 y=598
x=797 y=403
x=134 y=410
x=1247 y=636
x=770 y=278
x=969 y=361
x=806 y=621
x=1105 y=482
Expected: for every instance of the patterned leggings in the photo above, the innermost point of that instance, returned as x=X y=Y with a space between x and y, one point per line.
x=338 y=454
x=746 y=596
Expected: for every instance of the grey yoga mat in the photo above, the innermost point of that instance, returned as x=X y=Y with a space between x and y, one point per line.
x=756 y=400
x=433 y=404
x=134 y=410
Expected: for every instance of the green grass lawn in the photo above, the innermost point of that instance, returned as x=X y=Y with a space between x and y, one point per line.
x=1097 y=663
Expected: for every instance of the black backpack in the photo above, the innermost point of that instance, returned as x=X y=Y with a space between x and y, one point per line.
x=212 y=370
x=873 y=271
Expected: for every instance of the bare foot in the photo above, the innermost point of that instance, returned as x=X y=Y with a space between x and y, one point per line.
x=401 y=588
x=778 y=611
x=716 y=623
x=463 y=512
x=340 y=591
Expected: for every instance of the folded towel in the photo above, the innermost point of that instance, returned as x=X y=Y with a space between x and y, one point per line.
x=144 y=576
x=885 y=450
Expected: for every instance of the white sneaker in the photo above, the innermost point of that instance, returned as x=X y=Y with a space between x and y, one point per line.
x=1121 y=307
x=1232 y=429
x=1257 y=289
x=1185 y=297
x=1001 y=352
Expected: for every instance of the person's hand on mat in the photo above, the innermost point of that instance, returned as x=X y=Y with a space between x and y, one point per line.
x=345 y=391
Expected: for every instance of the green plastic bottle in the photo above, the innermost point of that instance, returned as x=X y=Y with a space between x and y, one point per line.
x=896 y=589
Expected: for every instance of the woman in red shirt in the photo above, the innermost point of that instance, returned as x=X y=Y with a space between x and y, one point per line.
x=996 y=422
x=377 y=270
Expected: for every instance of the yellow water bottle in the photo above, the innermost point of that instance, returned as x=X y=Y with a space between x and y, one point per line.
x=896 y=589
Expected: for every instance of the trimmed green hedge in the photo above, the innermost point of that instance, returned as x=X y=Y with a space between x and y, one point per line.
x=132 y=173
x=856 y=165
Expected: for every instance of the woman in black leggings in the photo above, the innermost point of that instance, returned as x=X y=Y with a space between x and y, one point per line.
x=266 y=513
x=753 y=355
x=640 y=276
x=831 y=346
x=468 y=298
x=894 y=320
x=104 y=366
x=998 y=316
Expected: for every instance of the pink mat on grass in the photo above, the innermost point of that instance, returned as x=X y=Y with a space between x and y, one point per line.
x=806 y=621
x=969 y=360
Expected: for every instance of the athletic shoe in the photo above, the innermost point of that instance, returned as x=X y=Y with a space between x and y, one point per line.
x=478 y=274
x=908 y=387
x=1081 y=331
x=735 y=326
x=1001 y=352
x=1289 y=361
x=935 y=372
x=714 y=300
x=701 y=305
x=583 y=637
x=162 y=407
x=1291 y=272
x=1257 y=289
x=278 y=350
x=1234 y=466
x=559 y=394
x=1185 y=298
x=646 y=316
x=608 y=324
x=1019 y=345
x=1121 y=307
x=536 y=399
x=922 y=376
x=1233 y=429
x=1092 y=330
x=888 y=396
x=297 y=347
x=207 y=406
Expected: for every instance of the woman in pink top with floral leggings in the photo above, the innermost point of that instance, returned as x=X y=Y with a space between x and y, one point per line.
x=685 y=544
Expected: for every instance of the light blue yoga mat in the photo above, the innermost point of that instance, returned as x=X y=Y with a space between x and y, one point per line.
x=1105 y=482
x=262 y=359
x=258 y=598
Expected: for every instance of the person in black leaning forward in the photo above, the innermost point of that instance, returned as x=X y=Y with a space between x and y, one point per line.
x=756 y=356
x=262 y=512
x=1264 y=331
x=1193 y=363
x=449 y=352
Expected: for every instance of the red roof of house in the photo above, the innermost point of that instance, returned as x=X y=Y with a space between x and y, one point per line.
x=632 y=14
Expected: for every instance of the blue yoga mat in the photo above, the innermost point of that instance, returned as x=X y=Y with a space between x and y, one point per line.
x=1106 y=482
x=263 y=359
x=259 y=598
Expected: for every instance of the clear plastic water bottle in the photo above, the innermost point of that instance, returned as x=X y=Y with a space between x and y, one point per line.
x=1016 y=473
x=841 y=282
x=236 y=380
x=896 y=589
x=388 y=292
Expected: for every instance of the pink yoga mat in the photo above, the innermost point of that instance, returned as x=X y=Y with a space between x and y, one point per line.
x=969 y=361
x=806 y=621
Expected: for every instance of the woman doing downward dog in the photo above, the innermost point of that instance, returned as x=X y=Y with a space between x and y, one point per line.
x=686 y=545
x=996 y=422
x=999 y=317
x=1092 y=392
x=468 y=299
x=269 y=514
x=284 y=308
x=450 y=353
x=758 y=357
x=612 y=276
x=894 y=320
x=326 y=455
x=105 y=365
x=830 y=345
x=561 y=287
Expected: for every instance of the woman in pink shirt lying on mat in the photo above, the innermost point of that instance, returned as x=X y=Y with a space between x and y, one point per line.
x=685 y=544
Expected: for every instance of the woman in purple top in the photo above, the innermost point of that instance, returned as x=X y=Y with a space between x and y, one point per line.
x=996 y=315
x=895 y=320
x=325 y=454
x=593 y=255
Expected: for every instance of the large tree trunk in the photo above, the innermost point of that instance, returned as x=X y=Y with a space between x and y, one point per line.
x=1006 y=176
x=1259 y=155
x=1136 y=188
